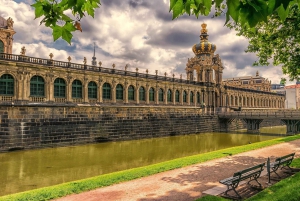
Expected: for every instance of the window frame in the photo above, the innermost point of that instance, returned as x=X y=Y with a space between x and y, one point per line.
x=92 y=90
x=37 y=87
x=59 y=88
x=7 y=83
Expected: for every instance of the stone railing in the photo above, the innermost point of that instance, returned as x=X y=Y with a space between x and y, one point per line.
x=279 y=113
x=62 y=64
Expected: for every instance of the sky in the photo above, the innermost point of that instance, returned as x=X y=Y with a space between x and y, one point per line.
x=140 y=33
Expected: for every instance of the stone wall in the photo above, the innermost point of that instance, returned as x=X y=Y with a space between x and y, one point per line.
x=25 y=127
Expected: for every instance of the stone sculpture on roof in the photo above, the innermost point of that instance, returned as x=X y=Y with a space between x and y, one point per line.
x=6 y=35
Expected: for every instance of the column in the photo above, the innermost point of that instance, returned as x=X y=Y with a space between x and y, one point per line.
x=69 y=91
x=113 y=91
x=137 y=99
x=85 y=92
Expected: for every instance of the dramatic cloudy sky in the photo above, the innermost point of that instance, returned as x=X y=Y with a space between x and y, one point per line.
x=140 y=33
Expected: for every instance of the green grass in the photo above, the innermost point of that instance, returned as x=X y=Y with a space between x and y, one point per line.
x=285 y=190
x=64 y=189
x=211 y=198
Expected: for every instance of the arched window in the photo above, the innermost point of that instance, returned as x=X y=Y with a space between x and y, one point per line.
x=6 y=85
x=119 y=92
x=1 y=47
x=106 y=91
x=37 y=86
x=161 y=95
x=76 y=89
x=92 y=90
x=151 y=94
x=142 y=93
x=177 y=96
x=169 y=95
x=184 y=96
x=198 y=97
x=130 y=92
x=191 y=97
x=59 y=88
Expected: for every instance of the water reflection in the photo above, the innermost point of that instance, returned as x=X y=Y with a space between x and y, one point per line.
x=25 y=170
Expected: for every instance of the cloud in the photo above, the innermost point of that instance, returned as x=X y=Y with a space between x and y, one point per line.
x=140 y=33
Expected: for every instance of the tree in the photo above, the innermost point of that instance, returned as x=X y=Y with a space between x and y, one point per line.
x=245 y=12
x=283 y=81
x=54 y=15
x=276 y=41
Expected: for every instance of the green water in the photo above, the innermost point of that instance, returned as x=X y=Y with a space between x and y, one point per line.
x=26 y=170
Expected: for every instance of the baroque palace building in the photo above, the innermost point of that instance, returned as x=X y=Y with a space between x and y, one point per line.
x=30 y=80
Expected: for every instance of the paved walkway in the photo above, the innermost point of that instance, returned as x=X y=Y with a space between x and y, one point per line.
x=188 y=183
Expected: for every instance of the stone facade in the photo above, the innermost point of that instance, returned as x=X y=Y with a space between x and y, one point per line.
x=249 y=82
x=29 y=80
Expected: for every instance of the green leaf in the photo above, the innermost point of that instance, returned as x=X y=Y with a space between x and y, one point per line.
x=66 y=18
x=233 y=9
x=218 y=3
x=282 y=12
x=271 y=6
x=177 y=9
x=89 y=9
x=188 y=7
x=69 y=26
x=66 y=35
x=172 y=4
x=72 y=3
x=207 y=5
x=284 y=3
x=39 y=11
x=57 y=32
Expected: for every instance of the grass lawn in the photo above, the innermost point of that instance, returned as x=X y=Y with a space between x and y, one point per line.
x=285 y=190
x=52 y=192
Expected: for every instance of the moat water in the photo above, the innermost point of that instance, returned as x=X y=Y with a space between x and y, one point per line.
x=26 y=170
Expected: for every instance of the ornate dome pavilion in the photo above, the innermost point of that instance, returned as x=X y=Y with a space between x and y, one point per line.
x=204 y=47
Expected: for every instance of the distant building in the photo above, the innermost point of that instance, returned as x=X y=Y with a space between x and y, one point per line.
x=278 y=88
x=292 y=96
x=249 y=82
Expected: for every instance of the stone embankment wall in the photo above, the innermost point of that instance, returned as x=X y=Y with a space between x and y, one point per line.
x=25 y=127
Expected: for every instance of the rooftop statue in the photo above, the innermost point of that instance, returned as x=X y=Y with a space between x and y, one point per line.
x=10 y=23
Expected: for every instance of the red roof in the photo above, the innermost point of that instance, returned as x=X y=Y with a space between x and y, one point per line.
x=292 y=86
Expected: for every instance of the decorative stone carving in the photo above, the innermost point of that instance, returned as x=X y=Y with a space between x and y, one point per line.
x=114 y=65
x=23 y=51
x=69 y=59
x=51 y=56
x=100 y=63
x=137 y=70
x=147 y=71
x=156 y=72
x=10 y=23
x=84 y=60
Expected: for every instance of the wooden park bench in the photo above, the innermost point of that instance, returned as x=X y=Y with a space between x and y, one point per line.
x=281 y=162
x=252 y=173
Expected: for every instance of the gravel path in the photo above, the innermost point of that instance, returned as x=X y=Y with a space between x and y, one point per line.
x=185 y=184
